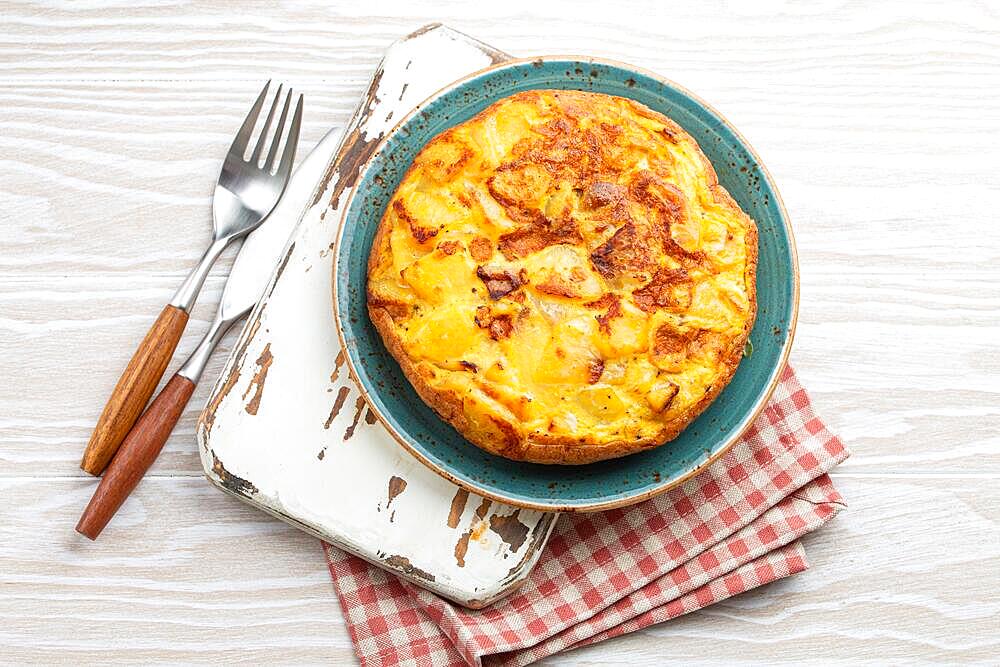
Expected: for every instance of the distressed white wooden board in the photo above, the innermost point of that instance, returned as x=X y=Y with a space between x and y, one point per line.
x=287 y=429
x=905 y=575
x=853 y=105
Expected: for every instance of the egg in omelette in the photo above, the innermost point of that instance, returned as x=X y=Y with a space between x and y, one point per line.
x=563 y=279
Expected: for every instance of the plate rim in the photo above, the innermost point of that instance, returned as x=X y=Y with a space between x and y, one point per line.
x=748 y=420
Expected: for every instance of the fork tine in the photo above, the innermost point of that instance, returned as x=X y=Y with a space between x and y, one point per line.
x=288 y=155
x=269 y=163
x=243 y=136
x=255 y=157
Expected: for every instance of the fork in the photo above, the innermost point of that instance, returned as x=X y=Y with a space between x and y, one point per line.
x=247 y=191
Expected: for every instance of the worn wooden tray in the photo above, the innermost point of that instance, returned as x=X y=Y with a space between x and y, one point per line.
x=285 y=428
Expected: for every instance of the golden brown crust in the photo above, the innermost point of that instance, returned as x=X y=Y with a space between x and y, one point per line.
x=483 y=411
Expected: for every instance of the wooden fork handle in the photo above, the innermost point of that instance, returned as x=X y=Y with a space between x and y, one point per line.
x=134 y=388
x=136 y=454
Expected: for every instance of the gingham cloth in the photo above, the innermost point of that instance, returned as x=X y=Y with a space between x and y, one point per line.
x=729 y=529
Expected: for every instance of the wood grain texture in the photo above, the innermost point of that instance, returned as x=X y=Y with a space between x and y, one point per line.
x=194 y=573
x=134 y=388
x=50 y=346
x=876 y=120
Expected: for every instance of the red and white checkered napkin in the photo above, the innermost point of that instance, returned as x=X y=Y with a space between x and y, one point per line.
x=732 y=528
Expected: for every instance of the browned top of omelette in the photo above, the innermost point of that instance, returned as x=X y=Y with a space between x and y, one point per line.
x=563 y=279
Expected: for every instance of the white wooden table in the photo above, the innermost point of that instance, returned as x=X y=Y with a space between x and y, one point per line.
x=880 y=123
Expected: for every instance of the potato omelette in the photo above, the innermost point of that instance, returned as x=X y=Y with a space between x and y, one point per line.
x=563 y=279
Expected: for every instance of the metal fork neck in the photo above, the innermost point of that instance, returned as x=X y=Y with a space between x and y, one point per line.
x=195 y=364
x=187 y=293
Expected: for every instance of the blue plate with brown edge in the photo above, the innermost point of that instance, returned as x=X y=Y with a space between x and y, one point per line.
x=605 y=484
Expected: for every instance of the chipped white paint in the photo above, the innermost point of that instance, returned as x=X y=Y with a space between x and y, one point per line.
x=286 y=428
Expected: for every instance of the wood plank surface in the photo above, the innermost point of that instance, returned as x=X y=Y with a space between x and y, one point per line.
x=877 y=120
x=188 y=574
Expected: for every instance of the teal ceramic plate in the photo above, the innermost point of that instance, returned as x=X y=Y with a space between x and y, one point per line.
x=609 y=483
